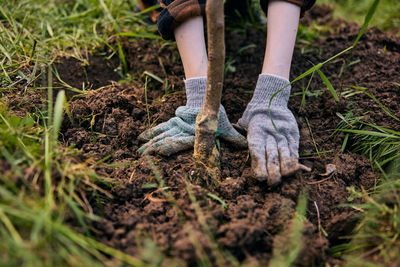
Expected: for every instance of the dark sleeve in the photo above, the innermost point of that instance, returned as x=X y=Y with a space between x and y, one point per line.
x=175 y=12
x=304 y=4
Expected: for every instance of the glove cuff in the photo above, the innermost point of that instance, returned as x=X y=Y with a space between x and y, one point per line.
x=195 y=91
x=267 y=86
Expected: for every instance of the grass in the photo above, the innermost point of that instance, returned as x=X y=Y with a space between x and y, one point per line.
x=43 y=186
x=376 y=241
x=65 y=28
x=376 y=238
x=287 y=245
x=222 y=256
x=380 y=144
x=387 y=16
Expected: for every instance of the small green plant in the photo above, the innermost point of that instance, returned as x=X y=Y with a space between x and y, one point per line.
x=380 y=144
x=287 y=245
x=222 y=257
x=36 y=33
x=43 y=186
x=317 y=68
x=376 y=239
x=354 y=10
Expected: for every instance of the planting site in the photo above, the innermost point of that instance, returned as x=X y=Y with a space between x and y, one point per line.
x=149 y=211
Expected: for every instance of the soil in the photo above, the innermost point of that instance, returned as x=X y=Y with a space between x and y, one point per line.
x=107 y=121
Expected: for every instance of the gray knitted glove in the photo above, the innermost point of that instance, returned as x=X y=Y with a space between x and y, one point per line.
x=274 y=151
x=178 y=133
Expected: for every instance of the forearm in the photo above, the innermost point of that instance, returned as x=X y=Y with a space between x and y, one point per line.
x=283 y=21
x=189 y=37
x=174 y=13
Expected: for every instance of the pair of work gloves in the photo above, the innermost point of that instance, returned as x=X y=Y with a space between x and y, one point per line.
x=272 y=131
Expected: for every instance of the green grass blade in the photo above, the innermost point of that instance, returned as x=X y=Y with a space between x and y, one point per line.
x=223 y=203
x=144 y=11
x=155 y=77
x=305 y=90
x=370 y=133
x=328 y=84
x=285 y=254
x=387 y=111
x=122 y=56
x=50 y=97
x=367 y=20
x=144 y=35
x=47 y=173
x=58 y=115
x=10 y=227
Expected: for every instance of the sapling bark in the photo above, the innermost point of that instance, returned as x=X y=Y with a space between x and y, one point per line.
x=206 y=153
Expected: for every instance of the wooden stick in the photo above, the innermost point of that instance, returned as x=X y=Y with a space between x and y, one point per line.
x=205 y=151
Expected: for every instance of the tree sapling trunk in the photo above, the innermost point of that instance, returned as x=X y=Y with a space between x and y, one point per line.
x=206 y=153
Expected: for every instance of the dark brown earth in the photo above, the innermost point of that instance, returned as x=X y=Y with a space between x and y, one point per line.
x=107 y=121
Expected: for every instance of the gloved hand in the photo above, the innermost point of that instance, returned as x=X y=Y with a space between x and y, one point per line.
x=274 y=151
x=178 y=133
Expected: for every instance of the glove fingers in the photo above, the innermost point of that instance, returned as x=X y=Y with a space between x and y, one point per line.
x=172 y=145
x=293 y=146
x=227 y=132
x=174 y=131
x=158 y=139
x=291 y=165
x=188 y=115
x=185 y=127
x=168 y=145
x=288 y=164
x=258 y=161
x=155 y=131
x=144 y=149
x=273 y=166
x=235 y=138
